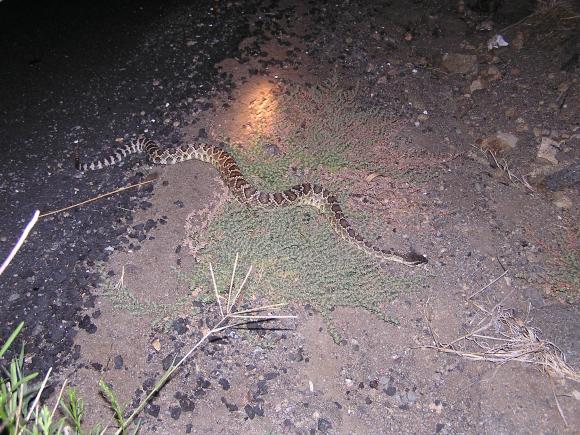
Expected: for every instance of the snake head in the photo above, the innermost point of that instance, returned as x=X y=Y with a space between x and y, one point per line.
x=414 y=259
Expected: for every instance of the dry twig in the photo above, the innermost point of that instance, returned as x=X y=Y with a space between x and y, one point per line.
x=227 y=314
x=20 y=241
x=508 y=338
x=103 y=195
x=488 y=285
x=504 y=338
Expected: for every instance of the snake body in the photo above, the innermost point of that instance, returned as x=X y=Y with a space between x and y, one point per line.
x=305 y=193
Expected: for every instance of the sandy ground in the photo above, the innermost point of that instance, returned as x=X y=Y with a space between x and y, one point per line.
x=432 y=175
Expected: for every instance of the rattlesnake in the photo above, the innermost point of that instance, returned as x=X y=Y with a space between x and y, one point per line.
x=305 y=193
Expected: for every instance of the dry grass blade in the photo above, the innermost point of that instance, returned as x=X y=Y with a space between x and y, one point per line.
x=503 y=165
x=557 y=401
x=96 y=198
x=215 y=289
x=508 y=338
x=488 y=285
x=229 y=306
x=223 y=324
x=235 y=298
x=37 y=398
x=121 y=283
x=262 y=308
x=20 y=241
x=55 y=407
x=236 y=316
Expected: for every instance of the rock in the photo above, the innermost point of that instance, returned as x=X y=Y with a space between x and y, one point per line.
x=225 y=384
x=180 y=326
x=436 y=406
x=510 y=112
x=518 y=41
x=259 y=409
x=534 y=296
x=167 y=362
x=492 y=73
x=59 y=277
x=152 y=410
x=521 y=125
x=485 y=26
x=477 y=85
x=385 y=380
x=324 y=425
x=564 y=178
x=175 y=412
x=497 y=41
x=149 y=225
x=249 y=410
x=562 y=201
x=118 y=361
x=499 y=143
x=272 y=149
x=390 y=391
x=457 y=63
x=185 y=403
x=86 y=324
x=548 y=150
x=232 y=407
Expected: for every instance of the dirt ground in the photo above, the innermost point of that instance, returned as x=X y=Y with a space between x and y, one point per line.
x=433 y=143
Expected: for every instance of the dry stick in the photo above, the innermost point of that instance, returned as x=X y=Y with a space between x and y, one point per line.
x=20 y=241
x=229 y=306
x=58 y=399
x=19 y=407
x=104 y=195
x=491 y=283
x=38 y=395
x=469 y=334
x=217 y=296
x=518 y=22
x=505 y=167
x=510 y=174
x=265 y=307
x=218 y=327
x=242 y=286
x=557 y=401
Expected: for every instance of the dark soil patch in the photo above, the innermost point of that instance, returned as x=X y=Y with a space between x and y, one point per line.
x=77 y=76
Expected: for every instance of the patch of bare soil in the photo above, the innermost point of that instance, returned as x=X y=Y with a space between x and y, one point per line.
x=395 y=107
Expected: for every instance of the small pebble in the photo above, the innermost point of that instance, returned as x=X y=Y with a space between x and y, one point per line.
x=118 y=361
x=324 y=425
